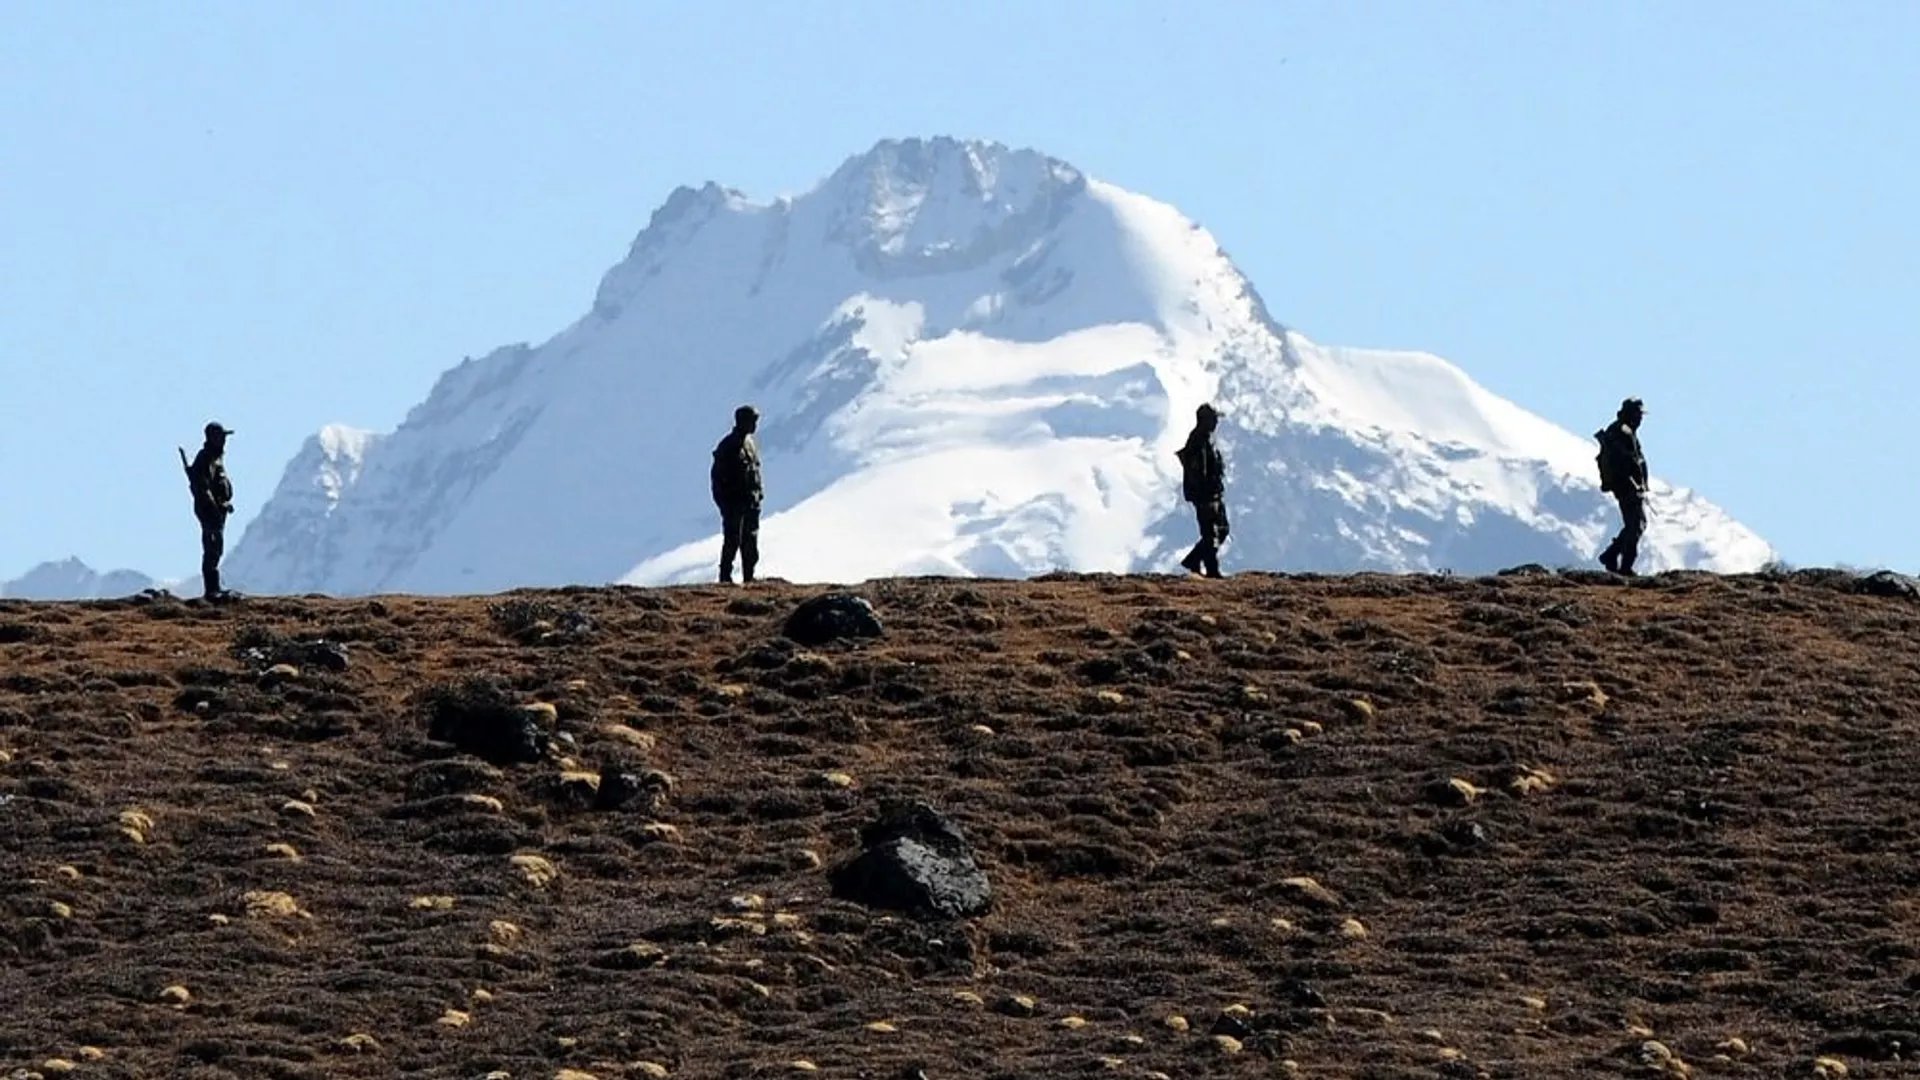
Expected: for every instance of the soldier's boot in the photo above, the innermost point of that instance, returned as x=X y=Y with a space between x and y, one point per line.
x=726 y=575
x=211 y=583
x=1610 y=559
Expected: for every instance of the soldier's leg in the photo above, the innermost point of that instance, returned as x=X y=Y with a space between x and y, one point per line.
x=1199 y=551
x=1215 y=531
x=749 y=542
x=212 y=545
x=1633 y=523
x=1610 y=558
x=729 y=541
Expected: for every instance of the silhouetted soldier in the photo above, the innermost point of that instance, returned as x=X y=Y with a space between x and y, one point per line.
x=1623 y=472
x=736 y=491
x=1203 y=482
x=212 y=503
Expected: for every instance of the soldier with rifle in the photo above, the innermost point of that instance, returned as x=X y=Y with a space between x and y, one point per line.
x=212 y=504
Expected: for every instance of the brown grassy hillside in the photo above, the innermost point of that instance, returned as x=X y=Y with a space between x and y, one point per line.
x=1373 y=826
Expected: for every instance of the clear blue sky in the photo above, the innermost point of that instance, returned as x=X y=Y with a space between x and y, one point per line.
x=282 y=215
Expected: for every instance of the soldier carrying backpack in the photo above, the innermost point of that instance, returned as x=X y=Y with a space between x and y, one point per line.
x=1203 y=482
x=1623 y=473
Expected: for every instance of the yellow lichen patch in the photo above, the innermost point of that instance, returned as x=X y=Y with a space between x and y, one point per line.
x=1312 y=727
x=639 y=740
x=1829 y=1066
x=135 y=825
x=481 y=996
x=726 y=925
x=1237 y=1011
x=1736 y=1046
x=92 y=1053
x=6 y=757
x=57 y=1065
x=1227 y=1044
x=542 y=712
x=1360 y=709
x=580 y=778
x=483 y=802
x=786 y=919
x=1280 y=925
x=273 y=905
x=218 y=919
x=454 y=1018
x=836 y=779
x=1449 y=1053
x=1111 y=1062
x=175 y=995
x=70 y=873
x=297 y=808
x=1252 y=695
x=803 y=1065
x=1530 y=781
x=660 y=830
x=59 y=910
x=1110 y=698
x=651 y=1069
x=968 y=997
x=283 y=671
x=982 y=730
x=730 y=691
x=284 y=851
x=1353 y=929
x=1586 y=694
x=881 y=1027
x=537 y=869
x=573 y=1074
x=1463 y=791
x=1072 y=1023
x=1307 y=890
x=504 y=932
x=1292 y=735
x=1177 y=1022
x=1434 y=1035
x=360 y=1043
x=432 y=903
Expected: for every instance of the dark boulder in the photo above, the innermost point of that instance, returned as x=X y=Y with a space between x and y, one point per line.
x=832 y=617
x=916 y=860
x=1889 y=583
x=479 y=718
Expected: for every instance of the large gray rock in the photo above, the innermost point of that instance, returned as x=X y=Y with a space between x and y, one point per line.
x=914 y=859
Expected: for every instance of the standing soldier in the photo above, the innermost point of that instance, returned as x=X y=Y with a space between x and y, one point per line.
x=1623 y=472
x=212 y=503
x=735 y=480
x=1203 y=483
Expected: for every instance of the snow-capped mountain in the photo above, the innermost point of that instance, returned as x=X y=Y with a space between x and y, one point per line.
x=969 y=360
x=71 y=579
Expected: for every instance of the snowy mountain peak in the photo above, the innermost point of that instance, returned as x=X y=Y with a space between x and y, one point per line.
x=968 y=359
x=71 y=579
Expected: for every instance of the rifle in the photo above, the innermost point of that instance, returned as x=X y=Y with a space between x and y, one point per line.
x=184 y=466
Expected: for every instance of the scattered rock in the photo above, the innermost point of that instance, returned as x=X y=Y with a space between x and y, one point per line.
x=361 y=1043
x=1016 y=1005
x=1309 y=893
x=914 y=859
x=537 y=869
x=652 y=1069
x=833 y=617
x=1452 y=791
x=1227 y=1044
x=273 y=905
x=455 y=1018
x=176 y=995
x=1889 y=583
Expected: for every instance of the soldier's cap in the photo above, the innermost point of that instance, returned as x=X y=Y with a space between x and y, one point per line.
x=215 y=428
x=1205 y=410
x=745 y=411
x=1633 y=404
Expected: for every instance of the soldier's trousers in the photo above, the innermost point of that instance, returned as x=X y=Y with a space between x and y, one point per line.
x=739 y=533
x=1205 y=556
x=213 y=544
x=1633 y=522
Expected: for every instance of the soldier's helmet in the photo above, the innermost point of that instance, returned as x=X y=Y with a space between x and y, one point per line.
x=216 y=431
x=1632 y=407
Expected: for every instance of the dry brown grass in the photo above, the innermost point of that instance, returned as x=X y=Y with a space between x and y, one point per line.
x=1363 y=826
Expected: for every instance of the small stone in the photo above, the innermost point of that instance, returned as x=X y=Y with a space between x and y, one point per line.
x=1017 y=1005
x=454 y=1018
x=541 y=712
x=71 y=873
x=573 y=1074
x=805 y=859
x=1829 y=1066
x=283 y=671
x=1305 y=890
x=1735 y=1046
x=505 y=932
x=1434 y=1035
x=284 y=851
x=786 y=919
x=59 y=910
x=981 y=730
x=1177 y=1023
x=881 y=1027
x=1448 y=1053
x=483 y=802
x=651 y=1069
x=537 y=869
x=176 y=995
x=1360 y=708
x=432 y=903
x=297 y=808
x=836 y=780
x=660 y=830
x=481 y=996
x=639 y=740
x=1312 y=727
x=968 y=997
x=1281 y=925
x=272 y=905
x=803 y=1065
x=218 y=919
x=1537 y=1004
x=361 y=1044
x=1227 y=1044
x=1072 y=1023
x=1353 y=929
x=747 y=902
x=92 y=1053
x=1252 y=694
